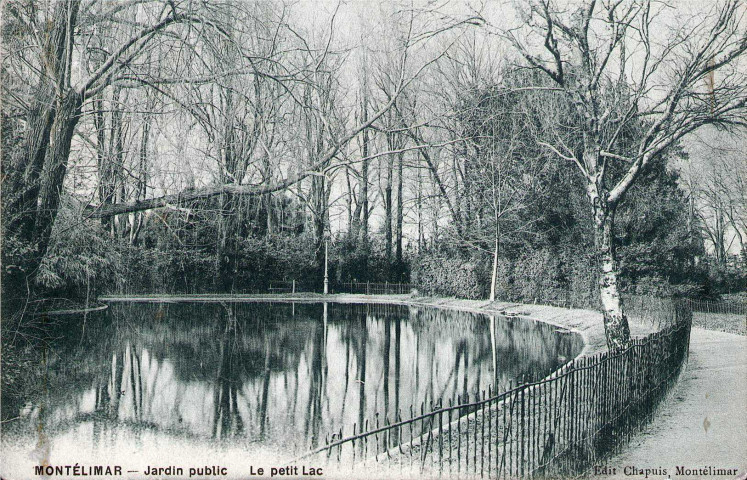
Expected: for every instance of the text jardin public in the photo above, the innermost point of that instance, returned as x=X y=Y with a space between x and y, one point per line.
x=116 y=470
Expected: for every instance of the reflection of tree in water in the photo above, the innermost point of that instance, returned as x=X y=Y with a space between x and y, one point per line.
x=226 y=418
x=316 y=382
x=283 y=375
x=362 y=371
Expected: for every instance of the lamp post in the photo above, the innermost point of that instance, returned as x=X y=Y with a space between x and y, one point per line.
x=326 y=267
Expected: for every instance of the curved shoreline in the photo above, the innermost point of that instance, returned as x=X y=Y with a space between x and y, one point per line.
x=584 y=323
x=75 y=311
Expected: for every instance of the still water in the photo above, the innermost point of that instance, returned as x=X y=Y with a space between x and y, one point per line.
x=275 y=377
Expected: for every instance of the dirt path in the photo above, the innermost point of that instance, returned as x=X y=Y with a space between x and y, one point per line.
x=704 y=422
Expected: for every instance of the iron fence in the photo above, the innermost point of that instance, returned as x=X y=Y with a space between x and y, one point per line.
x=728 y=317
x=711 y=306
x=371 y=288
x=558 y=425
x=367 y=288
x=286 y=286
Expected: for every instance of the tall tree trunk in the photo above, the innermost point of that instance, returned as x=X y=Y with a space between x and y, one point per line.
x=388 y=209
x=102 y=162
x=55 y=167
x=720 y=234
x=319 y=214
x=352 y=224
x=142 y=179
x=458 y=193
x=616 y=326
x=494 y=276
x=363 y=189
x=399 y=219
x=419 y=205
x=364 y=194
x=363 y=185
x=267 y=198
x=116 y=158
x=21 y=213
x=40 y=121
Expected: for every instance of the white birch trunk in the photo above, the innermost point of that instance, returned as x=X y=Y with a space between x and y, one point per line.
x=616 y=326
x=494 y=279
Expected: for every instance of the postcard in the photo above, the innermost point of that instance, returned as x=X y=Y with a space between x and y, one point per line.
x=398 y=239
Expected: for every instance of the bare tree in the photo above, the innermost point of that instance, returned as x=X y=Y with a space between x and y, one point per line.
x=417 y=42
x=637 y=87
x=714 y=174
x=54 y=107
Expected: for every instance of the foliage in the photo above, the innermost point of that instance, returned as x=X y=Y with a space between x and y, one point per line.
x=355 y=261
x=247 y=264
x=262 y=260
x=547 y=235
x=450 y=274
x=563 y=276
x=178 y=270
x=14 y=273
x=657 y=248
x=81 y=256
x=724 y=279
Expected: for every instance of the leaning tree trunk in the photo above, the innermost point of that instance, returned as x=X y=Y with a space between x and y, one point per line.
x=616 y=326
x=36 y=184
x=494 y=276
x=23 y=185
x=53 y=174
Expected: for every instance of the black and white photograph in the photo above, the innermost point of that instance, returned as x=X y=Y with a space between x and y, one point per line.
x=373 y=239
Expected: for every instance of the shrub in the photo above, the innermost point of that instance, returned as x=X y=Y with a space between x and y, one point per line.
x=80 y=257
x=543 y=275
x=581 y=272
x=538 y=276
x=450 y=275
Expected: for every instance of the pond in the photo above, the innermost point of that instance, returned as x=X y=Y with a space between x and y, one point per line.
x=264 y=378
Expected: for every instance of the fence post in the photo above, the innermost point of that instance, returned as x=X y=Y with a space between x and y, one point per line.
x=293 y=287
x=368 y=287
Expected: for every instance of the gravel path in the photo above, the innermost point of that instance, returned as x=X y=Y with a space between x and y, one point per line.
x=704 y=422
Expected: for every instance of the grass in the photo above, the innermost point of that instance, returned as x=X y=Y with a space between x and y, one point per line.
x=723 y=322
